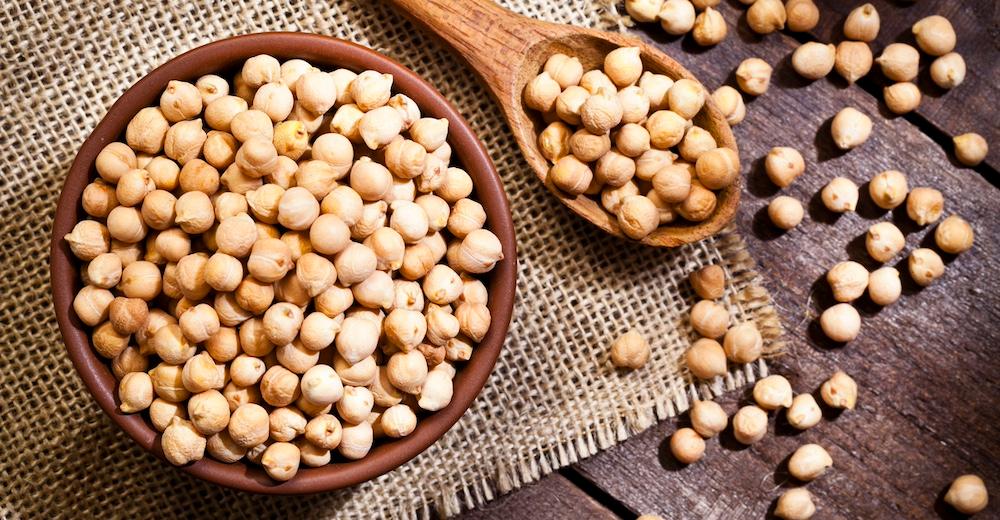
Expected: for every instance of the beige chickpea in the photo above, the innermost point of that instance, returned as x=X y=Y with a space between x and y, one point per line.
x=925 y=266
x=899 y=62
x=133 y=186
x=888 y=189
x=743 y=343
x=405 y=329
x=709 y=28
x=406 y=158
x=318 y=331
x=803 y=413
x=901 y=98
x=884 y=241
x=371 y=180
x=375 y=292
x=357 y=339
x=785 y=212
x=260 y=69
x=198 y=175
x=709 y=319
x=105 y=270
x=709 y=282
x=840 y=195
x=696 y=141
x=158 y=209
x=749 y=424
x=270 y=259
x=967 y=494
x=124 y=224
x=98 y=199
x=274 y=99
x=223 y=272
x=809 y=462
x=252 y=124
x=114 y=160
x=194 y=212
x=127 y=315
x=473 y=319
x=209 y=412
x=717 y=168
x=107 y=341
x=666 y=129
x=637 y=216
x=935 y=35
x=346 y=120
x=442 y=326
x=286 y=423
x=814 y=60
x=643 y=10
x=282 y=322
x=687 y=446
x=361 y=373
x=406 y=108
x=135 y=392
x=219 y=113
x=614 y=169
x=236 y=236
x=184 y=141
x=953 y=235
x=355 y=405
x=181 y=442
x=853 y=60
x=199 y=323
x=632 y=140
x=229 y=310
x=795 y=504
x=90 y=238
x=623 y=65
x=862 y=23
x=371 y=89
x=611 y=198
x=565 y=70
x=766 y=16
x=456 y=349
x=850 y=128
x=316 y=91
x=263 y=203
x=652 y=161
x=699 y=204
x=840 y=391
x=437 y=390
x=127 y=361
x=541 y=92
x=708 y=418
x=686 y=97
x=730 y=103
x=410 y=296
x=147 y=131
x=677 y=17
x=801 y=15
x=253 y=341
x=321 y=385
x=431 y=133
x=480 y=250
x=238 y=396
x=948 y=71
x=587 y=147
x=924 y=205
x=601 y=112
x=553 y=141
x=344 y=203
x=279 y=386
x=161 y=412
x=783 y=165
x=571 y=175
x=292 y=70
x=884 y=286
x=848 y=280
x=773 y=392
x=841 y=323
x=389 y=248
x=970 y=148
x=635 y=104
x=281 y=460
x=354 y=263
x=373 y=218
x=190 y=276
x=246 y=370
x=356 y=440
x=141 y=279
x=398 y=421
x=168 y=383
x=222 y=448
x=630 y=350
x=257 y=157
x=316 y=273
x=324 y=431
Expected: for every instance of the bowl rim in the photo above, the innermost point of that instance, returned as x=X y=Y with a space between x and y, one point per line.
x=327 y=52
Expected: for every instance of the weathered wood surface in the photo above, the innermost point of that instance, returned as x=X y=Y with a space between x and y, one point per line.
x=552 y=497
x=926 y=365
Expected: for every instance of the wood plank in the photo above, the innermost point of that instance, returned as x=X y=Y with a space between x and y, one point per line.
x=928 y=380
x=554 y=496
x=971 y=107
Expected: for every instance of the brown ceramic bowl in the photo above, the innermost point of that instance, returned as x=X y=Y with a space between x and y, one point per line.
x=224 y=56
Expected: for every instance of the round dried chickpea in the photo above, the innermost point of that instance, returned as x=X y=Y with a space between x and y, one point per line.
x=840 y=195
x=753 y=76
x=783 y=165
x=709 y=319
x=888 y=189
x=706 y=359
x=699 y=204
x=708 y=418
x=687 y=446
x=953 y=235
x=749 y=424
x=773 y=392
x=841 y=323
x=743 y=343
x=967 y=494
x=848 y=280
x=925 y=266
x=565 y=70
x=924 y=205
x=785 y=212
x=884 y=241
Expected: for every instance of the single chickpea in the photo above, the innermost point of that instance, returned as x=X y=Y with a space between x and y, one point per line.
x=699 y=204
x=840 y=195
x=743 y=343
x=899 y=62
x=611 y=198
x=553 y=142
x=281 y=460
x=666 y=128
x=324 y=431
x=357 y=339
x=127 y=361
x=749 y=424
x=795 y=504
x=133 y=186
x=901 y=98
x=924 y=205
x=141 y=279
x=687 y=446
x=804 y=413
x=371 y=90
x=840 y=391
x=194 y=212
x=848 y=281
x=565 y=70
x=717 y=168
x=587 y=147
x=970 y=148
x=571 y=175
x=99 y=199
x=814 y=60
x=375 y=292
x=709 y=28
x=948 y=71
x=601 y=112
x=967 y=494
x=953 y=235
x=696 y=141
x=261 y=69
x=135 y=392
x=638 y=216
x=809 y=462
x=361 y=373
x=479 y=251
x=286 y=423
x=841 y=323
x=279 y=386
x=147 y=131
x=630 y=350
x=158 y=209
x=354 y=263
x=672 y=183
x=801 y=15
x=274 y=99
x=935 y=35
x=652 y=161
x=209 y=412
x=474 y=320
x=766 y=16
x=884 y=286
x=249 y=425
x=161 y=412
x=114 y=160
x=623 y=65
x=90 y=238
x=252 y=124
x=168 y=382
x=853 y=60
x=282 y=322
x=632 y=140
x=356 y=440
x=105 y=270
x=319 y=331
x=107 y=341
x=541 y=92
x=430 y=133
x=708 y=418
x=124 y=224
x=442 y=325
x=677 y=17
x=270 y=259
x=635 y=104
x=730 y=103
x=925 y=266
x=709 y=282
x=199 y=323
x=785 y=212
x=184 y=141
x=437 y=390
x=127 y=315
x=850 y=128
x=686 y=97
x=709 y=319
x=862 y=23
x=355 y=405
x=888 y=189
x=884 y=241
x=643 y=10
x=181 y=443
x=773 y=392
x=613 y=170
x=398 y=421
x=219 y=113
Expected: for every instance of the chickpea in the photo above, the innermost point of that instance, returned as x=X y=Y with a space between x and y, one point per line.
x=749 y=424
x=140 y=279
x=840 y=195
x=677 y=17
x=699 y=205
x=709 y=319
x=853 y=60
x=924 y=205
x=709 y=28
x=841 y=323
x=970 y=148
x=135 y=392
x=630 y=350
x=967 y=494
x=850 y=128
x=948 y=71
x=717 y=168
x=888 y=189
x=124 y=224
x=925 y=266
x=884 y=241
x=687 y=446
x=899 y=62
x=783 y=165
x=181 y=443
x=773 y=392
x=814 y=60
x=708 y=418
x=785 y=212
x=848 y=281
x=743 y=343
x=753 y=76
x=114 y=160
x=862 y=23
x=804 y=413
x=796 y=503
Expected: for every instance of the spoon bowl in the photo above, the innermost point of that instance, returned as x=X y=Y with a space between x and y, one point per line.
x=508 y=50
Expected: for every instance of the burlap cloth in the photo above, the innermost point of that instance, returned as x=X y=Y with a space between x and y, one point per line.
x=553 y=398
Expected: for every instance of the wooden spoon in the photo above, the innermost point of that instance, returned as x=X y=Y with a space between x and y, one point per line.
x=507 y=50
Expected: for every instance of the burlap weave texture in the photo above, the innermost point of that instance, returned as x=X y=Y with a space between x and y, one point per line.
x=553 y=398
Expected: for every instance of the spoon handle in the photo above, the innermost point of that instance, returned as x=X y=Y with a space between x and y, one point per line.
x=491 y=39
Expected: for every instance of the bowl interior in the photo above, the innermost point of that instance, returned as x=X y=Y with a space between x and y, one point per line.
x=327 y=53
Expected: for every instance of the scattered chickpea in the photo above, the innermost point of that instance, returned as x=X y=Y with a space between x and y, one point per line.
x=967 y=494
x=924 y=205
x=888 y=189
x=948 y=71
x=708 y=418
x=814 y=60
x=785 y=212
x=677 y=17
x=783 y=165
x=809 y=462
x=884 y=241
x=687 y=446
x=970 y=148
x=802 y=15
x=753 y=76
x=841 y=323
x=848 y=280
x=935 y=35
x=840 y=195
x=709 y=282
x=709 y=319
x=743 y=343
x=773 y=392
x=925 y=266
x=730 y=103
x=706 y=359
x=850 y=128
x=862 y=23
x=749 y=424
x=709 y=28
x=840 y=391
x=795 y=504
x=630 y=350
x=899 y=62
x=953 y=235
x=804 y=413
x=853 y=60
x=901 y=97
x=766 y=16
x=884 y=286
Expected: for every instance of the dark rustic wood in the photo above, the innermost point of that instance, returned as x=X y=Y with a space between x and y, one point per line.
x=929 y=385
x=551 y=497
x=508 y=50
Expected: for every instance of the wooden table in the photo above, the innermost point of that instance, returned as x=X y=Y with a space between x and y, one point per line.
x=927 y=366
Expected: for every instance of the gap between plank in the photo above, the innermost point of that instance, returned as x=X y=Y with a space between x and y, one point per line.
x=594 y=491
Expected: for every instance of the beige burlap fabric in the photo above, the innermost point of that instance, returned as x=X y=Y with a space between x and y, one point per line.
x=552 y=399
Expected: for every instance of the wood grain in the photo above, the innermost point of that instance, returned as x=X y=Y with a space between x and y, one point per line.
x=507 y=50
x=551 y=497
